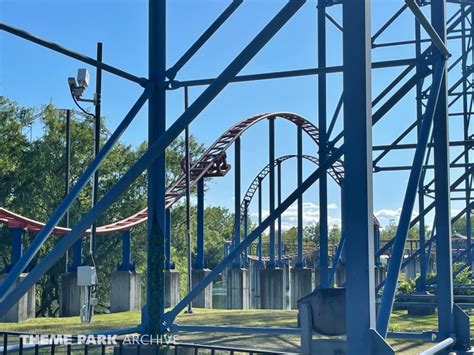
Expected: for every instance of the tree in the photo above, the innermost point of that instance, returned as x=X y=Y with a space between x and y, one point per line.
x=32 y=184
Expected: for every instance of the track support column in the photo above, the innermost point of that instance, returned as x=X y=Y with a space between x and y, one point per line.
x=153 y=313
x=168 y=262
x=199 y=264
x=17 y=245
x=358 y=208
x=299 y=172
x=323 y=182
x=204 y=298
x=444 y=276
x=126 y=285
x=271 y=161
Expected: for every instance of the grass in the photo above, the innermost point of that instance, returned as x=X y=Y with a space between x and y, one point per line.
x=254 y=318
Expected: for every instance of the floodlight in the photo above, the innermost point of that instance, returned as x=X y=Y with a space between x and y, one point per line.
x=83 y=78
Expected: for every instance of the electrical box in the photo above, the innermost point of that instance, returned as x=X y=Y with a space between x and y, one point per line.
x=86 y=276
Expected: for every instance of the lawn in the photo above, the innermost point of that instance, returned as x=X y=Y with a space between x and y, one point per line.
x=255 y=318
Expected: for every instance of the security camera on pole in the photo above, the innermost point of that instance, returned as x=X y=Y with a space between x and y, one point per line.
x=77 y=86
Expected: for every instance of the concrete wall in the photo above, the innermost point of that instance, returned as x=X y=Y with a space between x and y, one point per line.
x=24 y=309
x=301 y=284
x=171 y=288
x=238 y=291
x=71 y=297
x=204 y=299
x=254 y=274
x=126 y=293
x=272 y=288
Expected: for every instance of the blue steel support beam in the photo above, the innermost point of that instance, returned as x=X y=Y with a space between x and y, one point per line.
x=421 y=281
x=237 y=198
x=397 y=254
x=427 y=209
x=168 y=262
x=246 y=233
x=45 y=232
x=322 y=120
x=260 y=218
x=126 y=264
x=171 y=72
x=337 y=257
x=299 y=148
x=428 y=244
x=466 y=122
x=376 y=244
x=343 y=224
x=157 y=149
x=76 y=256
x=438 y=42
x=271 y=188
x=155 y=278
x=85 y=59
x=171 y=315
x=199 y=264
x=358 y=209
x=444 y=275
x=292 y=73
x=392 y=100
x=280 y=241
x=17 y=244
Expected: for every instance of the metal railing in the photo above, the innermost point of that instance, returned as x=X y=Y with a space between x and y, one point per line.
x=14 y=343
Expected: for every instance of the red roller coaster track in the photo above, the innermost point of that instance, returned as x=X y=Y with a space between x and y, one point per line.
x=211 y=164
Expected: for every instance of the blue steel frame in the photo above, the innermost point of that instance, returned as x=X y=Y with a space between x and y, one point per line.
x=356 y=104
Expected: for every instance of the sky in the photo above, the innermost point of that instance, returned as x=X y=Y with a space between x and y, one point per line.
x=34 y=76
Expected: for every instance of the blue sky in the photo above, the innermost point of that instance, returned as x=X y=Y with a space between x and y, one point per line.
x=33 y=76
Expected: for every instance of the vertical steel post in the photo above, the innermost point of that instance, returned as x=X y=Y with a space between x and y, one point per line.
x=199 y=264
x=17 y=244
x=323 y=182
x=444 y=276
x=76 y=256
x=259 y=245
x=154 y=311
x=67 y=177
x=358 y=209
x=95 y=184
x=168 y=263
x=246 y=232
x=376 y=244
x=299 y=177
x=466 y=121
x=126 y=251
x=237 y=197
x=421 y=281
x=271 y=161
x=280 y=241
x=187 y=162
x=342 y=258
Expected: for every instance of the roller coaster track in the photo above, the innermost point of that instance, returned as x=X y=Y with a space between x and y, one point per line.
x=211 y=164
x=266 y=170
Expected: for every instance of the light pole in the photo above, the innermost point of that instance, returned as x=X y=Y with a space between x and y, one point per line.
x=77 y=87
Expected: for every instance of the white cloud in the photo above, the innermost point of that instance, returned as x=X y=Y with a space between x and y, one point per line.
x=386 y=216
x=311 y=213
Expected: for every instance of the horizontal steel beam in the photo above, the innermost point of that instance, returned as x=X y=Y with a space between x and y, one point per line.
x=83 y=58
x=290 y=73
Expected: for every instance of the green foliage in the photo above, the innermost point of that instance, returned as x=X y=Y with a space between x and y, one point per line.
x=460 y=225
x=32 y=173
x=389 y=232
x=406 y=287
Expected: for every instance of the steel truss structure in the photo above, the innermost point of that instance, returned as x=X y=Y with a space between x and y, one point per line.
x=348 y=157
